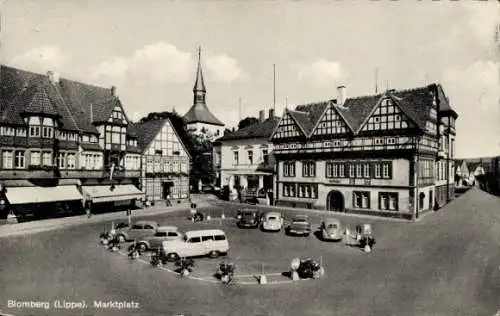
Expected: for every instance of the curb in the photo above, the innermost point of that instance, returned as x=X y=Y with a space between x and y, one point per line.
x=59 y=223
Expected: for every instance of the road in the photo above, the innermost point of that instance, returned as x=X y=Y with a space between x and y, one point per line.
x=448 y=263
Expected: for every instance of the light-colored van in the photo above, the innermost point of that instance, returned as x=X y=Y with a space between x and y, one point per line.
x=211 y=242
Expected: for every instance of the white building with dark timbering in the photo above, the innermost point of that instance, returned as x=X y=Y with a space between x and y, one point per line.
x=388 y=154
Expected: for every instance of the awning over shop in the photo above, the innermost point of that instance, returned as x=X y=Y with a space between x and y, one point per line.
x=105 y=193
x=27 y=195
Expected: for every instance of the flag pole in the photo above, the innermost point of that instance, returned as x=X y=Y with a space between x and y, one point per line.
x=274 y=87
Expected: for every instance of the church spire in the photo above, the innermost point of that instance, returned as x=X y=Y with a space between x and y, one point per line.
x=199 y=85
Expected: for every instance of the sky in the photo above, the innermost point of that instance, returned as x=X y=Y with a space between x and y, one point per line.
x=148 y=50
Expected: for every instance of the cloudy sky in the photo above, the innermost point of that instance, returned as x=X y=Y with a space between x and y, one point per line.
x=148 y=49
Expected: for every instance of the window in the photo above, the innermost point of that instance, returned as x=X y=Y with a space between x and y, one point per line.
x=361 y=199
x=19 y=159
x=385 y=171
x=351 y=170
x=329 y=169
x=391 y=140
x=307 y=190
x=207 y=238
x=289 y=169
x=289 y=190
x=308 y=169
x=21 y=132
x=379 y=141
x=47 y=131
x=8 y=131
x=71 y=161
x=161 y=234
x=7 y=157
x=34 y=131
x=388 y=201
x=220 y=237
x=136 y=227
x=72 y=137
x=378 y=168
x=35 y=158
x=250 y=157
x=359 y=170
x=61 y=160
x=265 y=156
x=366 y=170
x=194 y=240
x=236 y=158
x=341 y=170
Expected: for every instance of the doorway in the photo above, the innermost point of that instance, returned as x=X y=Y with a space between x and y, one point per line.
x=335 y=201
x=167 y=189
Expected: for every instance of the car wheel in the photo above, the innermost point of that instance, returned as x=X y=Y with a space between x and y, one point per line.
x=121 y=238
x=172 y=256
x=213 y=254
x=143 y=247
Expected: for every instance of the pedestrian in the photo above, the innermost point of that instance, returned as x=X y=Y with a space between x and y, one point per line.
x=129 y=216
x=167 y=201
x=89 y=214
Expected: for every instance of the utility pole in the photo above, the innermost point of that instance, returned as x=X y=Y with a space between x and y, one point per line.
x=376 y=80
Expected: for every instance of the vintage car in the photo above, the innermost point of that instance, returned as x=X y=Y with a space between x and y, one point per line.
x=163 y=233
x=211 y=242
x=248 y=218
x=331 y=229
x=272 y=221
x=137 y=231
x=299 y=225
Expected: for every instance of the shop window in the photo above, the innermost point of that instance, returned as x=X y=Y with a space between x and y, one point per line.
x=361 y=199
x=388 y=201
x=35 y=158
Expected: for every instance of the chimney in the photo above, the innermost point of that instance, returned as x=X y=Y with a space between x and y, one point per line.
x=53 y=76
x=271 y=113
x=341 y=95
x=262 y=116
x=113 y=90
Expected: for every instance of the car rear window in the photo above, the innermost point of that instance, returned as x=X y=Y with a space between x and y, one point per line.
x=172 y=234
x=137 y=227
x=220 y=237
x=147 y=226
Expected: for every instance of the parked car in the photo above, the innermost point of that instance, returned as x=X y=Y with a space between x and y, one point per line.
x=163 y=233
x=138 y=230
x=331 y=229
x=211 y=242
x=300 y=225
x=248 y=218
x=272 y=221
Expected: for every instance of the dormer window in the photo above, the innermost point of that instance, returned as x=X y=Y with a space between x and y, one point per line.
x=34 y=123
x=48 y=128
x=93 y=139
x=21 y=132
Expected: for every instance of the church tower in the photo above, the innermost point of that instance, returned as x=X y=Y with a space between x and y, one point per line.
x=199 y=119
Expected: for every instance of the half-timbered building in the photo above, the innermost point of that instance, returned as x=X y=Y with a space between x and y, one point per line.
x=388 y=154
x=165 y=161
x=64 y=145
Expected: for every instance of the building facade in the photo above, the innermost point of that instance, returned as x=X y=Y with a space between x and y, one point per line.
x=165 y=161
x=389 y=154
x=199 y=119
x=65 y=146
x=244 y=159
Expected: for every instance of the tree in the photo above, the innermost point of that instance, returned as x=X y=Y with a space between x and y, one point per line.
x=247 y=121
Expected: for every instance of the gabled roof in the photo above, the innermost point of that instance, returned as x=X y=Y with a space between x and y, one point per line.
x=23 y=91
x=147 y=131
x=258 y=130
x=199 y=113
x=415 y=103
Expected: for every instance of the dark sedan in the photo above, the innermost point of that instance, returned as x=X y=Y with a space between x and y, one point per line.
x=248 y=219
x=300 y=225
